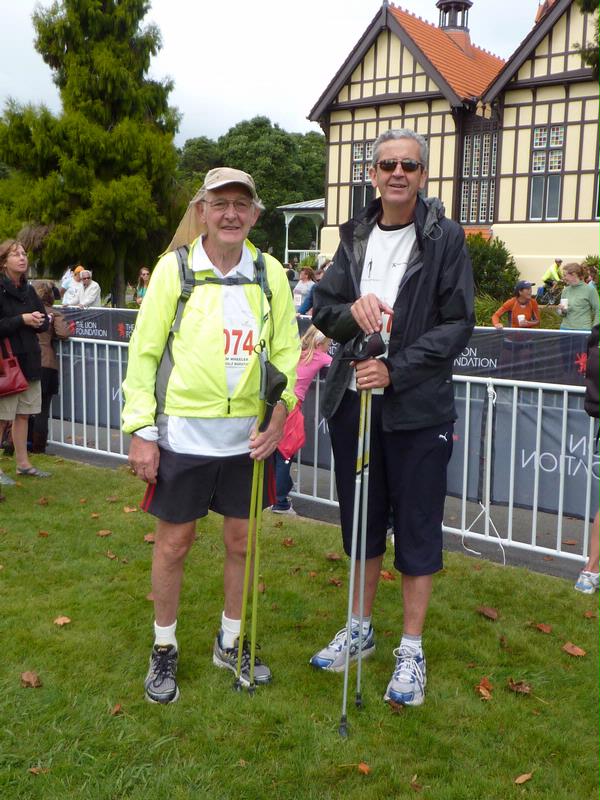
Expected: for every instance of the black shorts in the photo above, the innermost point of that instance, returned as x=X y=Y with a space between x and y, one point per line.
x=407 y=475
x=187 y=487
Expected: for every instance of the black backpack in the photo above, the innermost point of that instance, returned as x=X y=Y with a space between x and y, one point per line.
x=591 y=401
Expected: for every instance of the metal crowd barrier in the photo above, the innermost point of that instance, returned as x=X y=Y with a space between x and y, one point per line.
x=85 y=416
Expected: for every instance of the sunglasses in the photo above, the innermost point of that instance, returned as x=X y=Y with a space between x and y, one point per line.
x=407 y=164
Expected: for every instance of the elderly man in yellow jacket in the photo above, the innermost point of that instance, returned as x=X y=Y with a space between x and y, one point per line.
x=192 y=399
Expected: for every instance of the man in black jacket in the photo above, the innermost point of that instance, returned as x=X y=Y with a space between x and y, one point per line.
x=401 y=269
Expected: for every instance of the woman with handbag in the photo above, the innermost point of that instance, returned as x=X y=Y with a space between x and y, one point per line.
x=22 y=317
x=313 y=356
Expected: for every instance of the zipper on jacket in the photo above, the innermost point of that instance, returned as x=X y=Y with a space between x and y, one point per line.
x=229 y=405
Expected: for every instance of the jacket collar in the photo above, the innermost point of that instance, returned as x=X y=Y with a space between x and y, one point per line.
x=10 y=288
x=428 y=212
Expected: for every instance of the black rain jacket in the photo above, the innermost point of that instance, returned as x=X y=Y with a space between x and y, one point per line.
x=433 y=316
x=14 y=302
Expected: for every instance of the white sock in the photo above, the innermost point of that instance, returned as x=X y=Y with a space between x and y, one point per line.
x=366 y=624
x=165 y=635
x=230 y=630
x=412 y=643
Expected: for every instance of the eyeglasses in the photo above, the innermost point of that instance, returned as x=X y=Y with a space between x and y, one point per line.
x=407 y=164
x=220 y=206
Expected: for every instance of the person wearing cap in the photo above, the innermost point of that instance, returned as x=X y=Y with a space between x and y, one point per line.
x=522 y=309
x=74 y=291
x=192 y=414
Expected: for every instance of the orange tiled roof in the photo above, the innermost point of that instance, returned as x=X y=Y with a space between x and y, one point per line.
x=468 y=75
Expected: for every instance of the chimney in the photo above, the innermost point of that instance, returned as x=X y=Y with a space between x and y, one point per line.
x=454 y=21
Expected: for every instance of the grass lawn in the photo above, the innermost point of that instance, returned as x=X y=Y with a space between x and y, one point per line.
x=88 y=733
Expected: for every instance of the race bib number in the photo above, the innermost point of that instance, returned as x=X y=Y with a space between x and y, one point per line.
x=239 y=346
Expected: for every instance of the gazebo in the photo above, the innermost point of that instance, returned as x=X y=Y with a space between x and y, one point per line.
x=312 y=209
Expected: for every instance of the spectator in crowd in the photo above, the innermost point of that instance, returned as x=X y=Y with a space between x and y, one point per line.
x=592 y=276
x=413 y=284
x=304 y=285
x=58 y=328
x=72 y=294
x=552 y=276
x=313 y=356
x=142 y=285
x=90 y=293
x=578 y=302
x=306 y=305
x=193 y=414
x=522 y=309
x=22 y=316
x=66 y=280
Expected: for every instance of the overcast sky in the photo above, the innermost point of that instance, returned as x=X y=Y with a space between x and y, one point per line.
x=233 y=60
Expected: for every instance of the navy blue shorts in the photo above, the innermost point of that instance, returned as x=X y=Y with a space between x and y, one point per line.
x=407 y=475
x=187 y=487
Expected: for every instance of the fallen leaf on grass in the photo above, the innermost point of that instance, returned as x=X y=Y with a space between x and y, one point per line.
x=261 y=587
x=569 y=542
x=519 y=687
x=504 y=643
x=83 y=501
x=62 y=620
x=130 y=509
x=150 y=597
x=43 y=534
x=124 y=561
x=490 y=613
x=589 y=615
x=149 y=537
x=94 y=515
x=364 y=768
x=288 y=542
x=43 y=501
x=242 y=763
x=111 y=555
x=396 y=708
x=30 y=680
x=526 y=776
x=112 y=498
x=484 y=688
x=333 y=557
x=295 y=570
x=116 y=710
x=477 y=567
x=312 y=574
x=416 y=787
x=103 y=533
x=572 y=649
x=541 y=626
x=335 y=581
x=386 y=575
x=38 y=770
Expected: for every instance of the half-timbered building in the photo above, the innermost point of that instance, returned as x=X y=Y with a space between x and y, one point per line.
x=513 y=145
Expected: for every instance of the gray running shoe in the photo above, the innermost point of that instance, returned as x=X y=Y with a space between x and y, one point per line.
x=160 y=684
x=333 y=657
x=407 y=686
x=5 y=480
x=227 y=658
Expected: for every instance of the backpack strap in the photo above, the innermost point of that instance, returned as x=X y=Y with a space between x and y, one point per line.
x=187 y=280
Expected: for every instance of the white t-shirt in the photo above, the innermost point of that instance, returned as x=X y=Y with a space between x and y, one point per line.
x=219 y=437
x=386 y=259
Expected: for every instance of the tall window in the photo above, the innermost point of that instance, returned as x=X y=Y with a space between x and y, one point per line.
x=478 y=177
x=547 y=159
x=362 y=190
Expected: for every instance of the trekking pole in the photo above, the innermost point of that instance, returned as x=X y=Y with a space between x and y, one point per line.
x=343 y=727
x=363 y=542
x=273 y=382
x=359 y=349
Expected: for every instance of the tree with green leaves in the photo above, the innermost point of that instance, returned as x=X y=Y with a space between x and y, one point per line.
x=589 y=52
x=99 y=175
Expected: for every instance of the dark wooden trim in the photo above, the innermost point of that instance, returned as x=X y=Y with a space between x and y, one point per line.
x=560 y=78
x=567 y=41
x=498 y=107
x=525 y=49
x=386 y=100
x=459 y=121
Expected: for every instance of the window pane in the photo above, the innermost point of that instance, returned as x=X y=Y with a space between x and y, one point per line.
x=537 y=198
x=464 y=202
x=492 y=196
x=357 y=173
x=483 y=200
x=369 y=151
x=553 y=197
x=474 y=195
x=494 y=152
x=485 y=158
x=555 y=160
x=467 y=157
x=539 y=162
x=540 y=137
x=557 y=135
x=476 y=154
x=357 y=151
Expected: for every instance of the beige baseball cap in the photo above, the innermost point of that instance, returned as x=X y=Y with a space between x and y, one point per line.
x=190 y=227
x=222 y=176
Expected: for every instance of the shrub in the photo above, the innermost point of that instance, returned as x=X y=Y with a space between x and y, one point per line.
x=494 y=269
x=309 y=261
